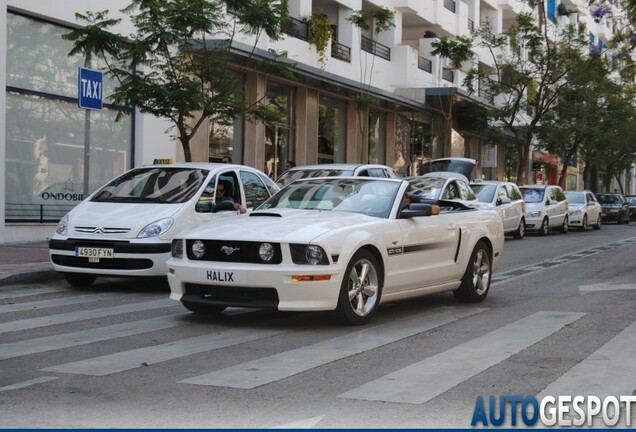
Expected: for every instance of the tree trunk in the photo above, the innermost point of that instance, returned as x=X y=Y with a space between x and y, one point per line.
x=185 y=144
x=523 y=150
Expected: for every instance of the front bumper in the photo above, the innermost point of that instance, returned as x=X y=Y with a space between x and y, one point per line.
x=253 y=285
x=131 y=258
x=533 y=223
x=610 y=216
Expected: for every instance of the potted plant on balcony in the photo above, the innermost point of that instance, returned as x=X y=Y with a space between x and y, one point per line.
x=600 y=11
x=319 y=34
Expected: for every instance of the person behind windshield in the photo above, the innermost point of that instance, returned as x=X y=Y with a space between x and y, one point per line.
x=224 y=198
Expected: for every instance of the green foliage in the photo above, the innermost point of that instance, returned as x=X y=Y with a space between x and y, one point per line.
x=458 y=50
x=380 y=19
x=168 y=68
x=320 y=33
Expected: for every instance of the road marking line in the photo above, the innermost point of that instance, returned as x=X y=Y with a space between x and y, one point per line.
x=43 y=304
x=276 y=367
x=605 y=287
x=49 y=320
x=426 y=379
x=83 y=337
x=608 y=371
x=28 y=383
x=30 y=292
x=126 y=360
x=301 y=424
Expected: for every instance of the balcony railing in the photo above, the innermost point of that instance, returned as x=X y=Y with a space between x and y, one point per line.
x=424 y=64
x=450 y=5
x=296 y=28
x=35 y=213
x=375 y=48
x=340 y=52
x=448 y=75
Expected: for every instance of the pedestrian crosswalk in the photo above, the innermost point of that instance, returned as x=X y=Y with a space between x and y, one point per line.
x=416 y=383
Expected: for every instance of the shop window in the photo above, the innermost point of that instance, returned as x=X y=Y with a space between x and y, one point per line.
x=278 y=130
x=332 y=131
x=377 y=137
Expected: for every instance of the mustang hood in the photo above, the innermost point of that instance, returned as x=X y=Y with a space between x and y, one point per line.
x=279 y=225
x=127 y=218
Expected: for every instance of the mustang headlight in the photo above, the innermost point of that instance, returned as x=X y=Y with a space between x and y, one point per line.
x=177 y=248
x=266 y=252
x=156 y=228
x=198 y=249
x=314 y=254
x=62 y=225
x=535 y=214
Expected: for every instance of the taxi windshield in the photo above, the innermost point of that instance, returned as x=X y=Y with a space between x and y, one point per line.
x=153 y=185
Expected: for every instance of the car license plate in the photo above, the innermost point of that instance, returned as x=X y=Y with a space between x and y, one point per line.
x=221 y=276
x=94 y=253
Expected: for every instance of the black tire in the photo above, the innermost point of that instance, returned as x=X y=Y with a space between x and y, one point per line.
x=198 y=308
x=583 y=226
x=566 y=224
x=79 y=279
x=476 y=280
x=361 y=290
x=621 y=219
x=521 y=229
x=544 y=228
x=627 y=218
x=597 y=225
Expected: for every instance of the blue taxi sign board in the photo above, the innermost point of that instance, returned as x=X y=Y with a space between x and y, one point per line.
x=89 y=89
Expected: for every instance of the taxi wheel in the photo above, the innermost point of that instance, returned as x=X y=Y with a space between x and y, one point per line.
x=361 y=290
x=583 y=226
x=597 y=225
x=476 y=280
x=79 y=279
x=544 y=228
x=198 y=308
x=521 y=229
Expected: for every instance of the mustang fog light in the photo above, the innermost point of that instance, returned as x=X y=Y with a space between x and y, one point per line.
x=198 y=249
x=266 y=252
x=314 y=254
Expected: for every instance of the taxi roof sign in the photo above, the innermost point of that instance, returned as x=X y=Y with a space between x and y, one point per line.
x=162 y=161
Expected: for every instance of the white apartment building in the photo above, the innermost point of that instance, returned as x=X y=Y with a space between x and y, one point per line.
x=45 y=133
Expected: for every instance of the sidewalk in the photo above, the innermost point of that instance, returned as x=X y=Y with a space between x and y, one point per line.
x=22 y=263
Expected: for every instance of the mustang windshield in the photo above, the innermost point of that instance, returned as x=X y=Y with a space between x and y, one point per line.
x=153 y=185
x=355 y=195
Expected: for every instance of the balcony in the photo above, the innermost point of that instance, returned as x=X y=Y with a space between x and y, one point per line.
x=424 y=64
x=340 y=52
x=448 y=75
x=375 y=48
x=296 y=28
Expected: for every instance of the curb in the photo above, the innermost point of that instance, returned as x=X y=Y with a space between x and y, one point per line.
x=30 y=277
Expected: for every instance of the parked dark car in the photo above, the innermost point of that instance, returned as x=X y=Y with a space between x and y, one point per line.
x=632 y=206
x=615 y=207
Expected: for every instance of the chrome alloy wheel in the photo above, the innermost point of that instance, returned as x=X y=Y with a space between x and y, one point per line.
x=481 y=272
x=363 y=287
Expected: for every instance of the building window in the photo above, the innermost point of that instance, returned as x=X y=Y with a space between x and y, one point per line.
x=278 y=131
x=377 y=137
x=45 y=129
x=227 y=139
x=332 y=131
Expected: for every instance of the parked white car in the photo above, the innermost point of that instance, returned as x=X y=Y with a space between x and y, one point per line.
x=546 y=208
x=336 y=243
x=335 y=170
x=126 y=227
x=584 y=210
x=506 y=199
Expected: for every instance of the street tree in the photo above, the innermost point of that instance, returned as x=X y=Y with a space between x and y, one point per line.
x=529 y=73
x=176 y=64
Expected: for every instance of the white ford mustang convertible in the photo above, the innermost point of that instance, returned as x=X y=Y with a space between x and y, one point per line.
x=342 y=244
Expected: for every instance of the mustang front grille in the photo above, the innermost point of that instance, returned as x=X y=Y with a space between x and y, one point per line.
x=233 y=251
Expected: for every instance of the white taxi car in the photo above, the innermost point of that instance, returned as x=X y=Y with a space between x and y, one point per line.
x=126 y=227
x=546 y=208
x=336 y=243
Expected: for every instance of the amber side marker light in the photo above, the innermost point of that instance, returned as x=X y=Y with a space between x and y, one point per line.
x=309 y=278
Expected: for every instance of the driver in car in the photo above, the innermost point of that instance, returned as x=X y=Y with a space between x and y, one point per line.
x=224 y=198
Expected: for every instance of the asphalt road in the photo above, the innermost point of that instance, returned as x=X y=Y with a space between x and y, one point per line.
x=559 y=320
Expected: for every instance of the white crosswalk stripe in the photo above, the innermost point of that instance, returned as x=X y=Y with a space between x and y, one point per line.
x=32 y=323
x=424 y=380
x=30 y=292
x=273 y=368
x=67 y=340
x=127 y=360
x=42 y=304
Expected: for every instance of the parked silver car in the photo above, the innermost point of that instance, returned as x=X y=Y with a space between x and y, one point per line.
x=546 y=208
x=584 y=210
x=506 y=199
